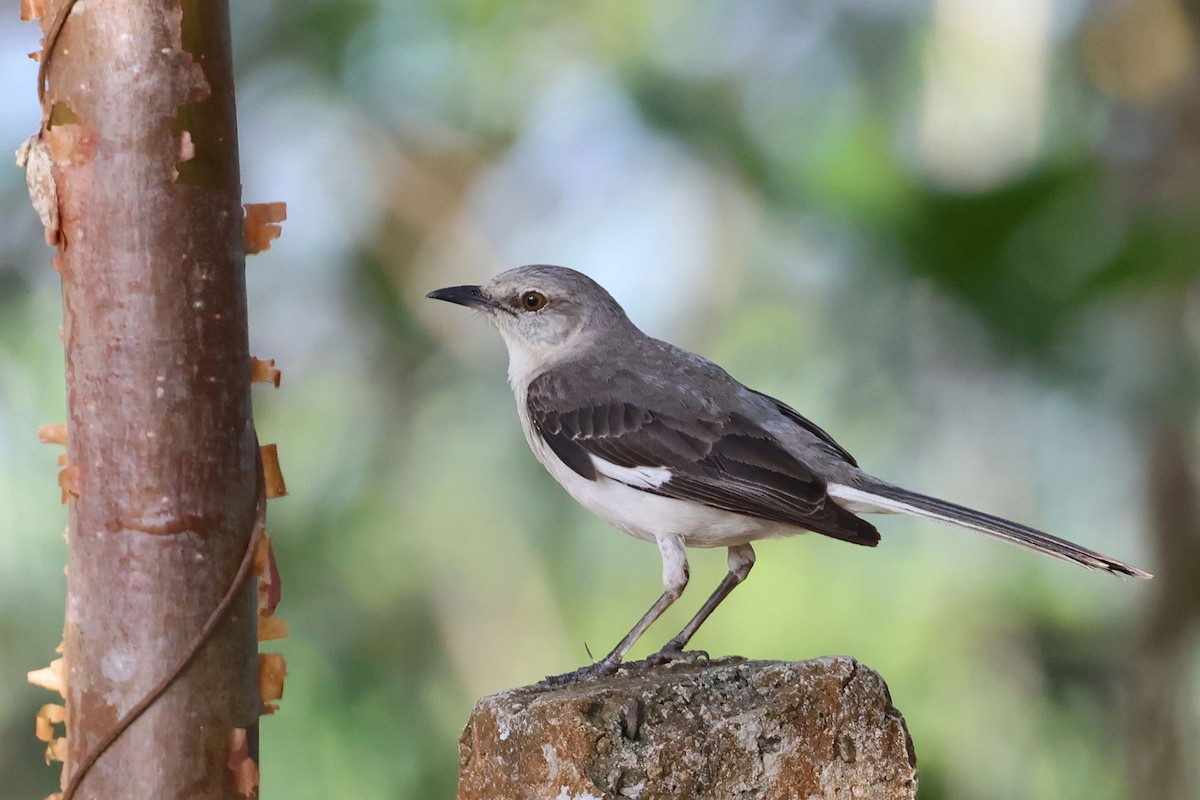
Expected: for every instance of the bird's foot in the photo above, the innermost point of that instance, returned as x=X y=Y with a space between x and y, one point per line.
x=602 y=668
x=673 y=652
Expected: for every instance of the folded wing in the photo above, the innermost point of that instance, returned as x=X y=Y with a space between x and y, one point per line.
x=659 y=439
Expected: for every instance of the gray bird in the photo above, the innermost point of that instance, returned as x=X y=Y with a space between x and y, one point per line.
x=669 y=448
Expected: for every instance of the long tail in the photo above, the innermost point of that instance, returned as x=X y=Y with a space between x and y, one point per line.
x=876 y=496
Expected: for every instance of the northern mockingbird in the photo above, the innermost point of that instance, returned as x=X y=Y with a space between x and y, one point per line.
x=669 y=448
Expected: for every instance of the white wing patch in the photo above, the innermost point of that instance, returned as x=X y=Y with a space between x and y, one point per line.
x=640 y=477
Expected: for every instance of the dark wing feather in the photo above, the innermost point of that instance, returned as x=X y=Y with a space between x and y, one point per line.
x=571 y=454
x=809 y=426
x=720 y=459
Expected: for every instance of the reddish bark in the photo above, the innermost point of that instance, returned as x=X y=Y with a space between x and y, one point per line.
x=161 y=442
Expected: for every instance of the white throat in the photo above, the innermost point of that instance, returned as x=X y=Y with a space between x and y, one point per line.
x=527 y=359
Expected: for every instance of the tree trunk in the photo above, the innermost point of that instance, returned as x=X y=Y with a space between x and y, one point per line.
x=162 y=454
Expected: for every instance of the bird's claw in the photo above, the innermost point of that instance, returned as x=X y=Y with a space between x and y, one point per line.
x=673 y=653
x=600 y=669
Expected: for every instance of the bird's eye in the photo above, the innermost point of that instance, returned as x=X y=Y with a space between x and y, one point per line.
x=533 y=301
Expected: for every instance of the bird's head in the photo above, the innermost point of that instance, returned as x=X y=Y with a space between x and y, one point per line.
x=545 y=314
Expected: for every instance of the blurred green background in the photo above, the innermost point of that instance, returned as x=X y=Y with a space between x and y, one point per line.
x=961 y=235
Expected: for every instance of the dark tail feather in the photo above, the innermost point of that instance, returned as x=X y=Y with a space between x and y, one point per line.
x=883 y=497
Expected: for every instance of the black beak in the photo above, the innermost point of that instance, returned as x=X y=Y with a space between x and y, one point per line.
x=471 y=296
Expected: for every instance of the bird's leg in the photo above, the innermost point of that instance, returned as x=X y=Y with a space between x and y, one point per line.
x=675 y=579
x=741 y=559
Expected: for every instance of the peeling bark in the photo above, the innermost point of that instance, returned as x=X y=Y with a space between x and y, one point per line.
x=161 y=445
x=262 y=225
